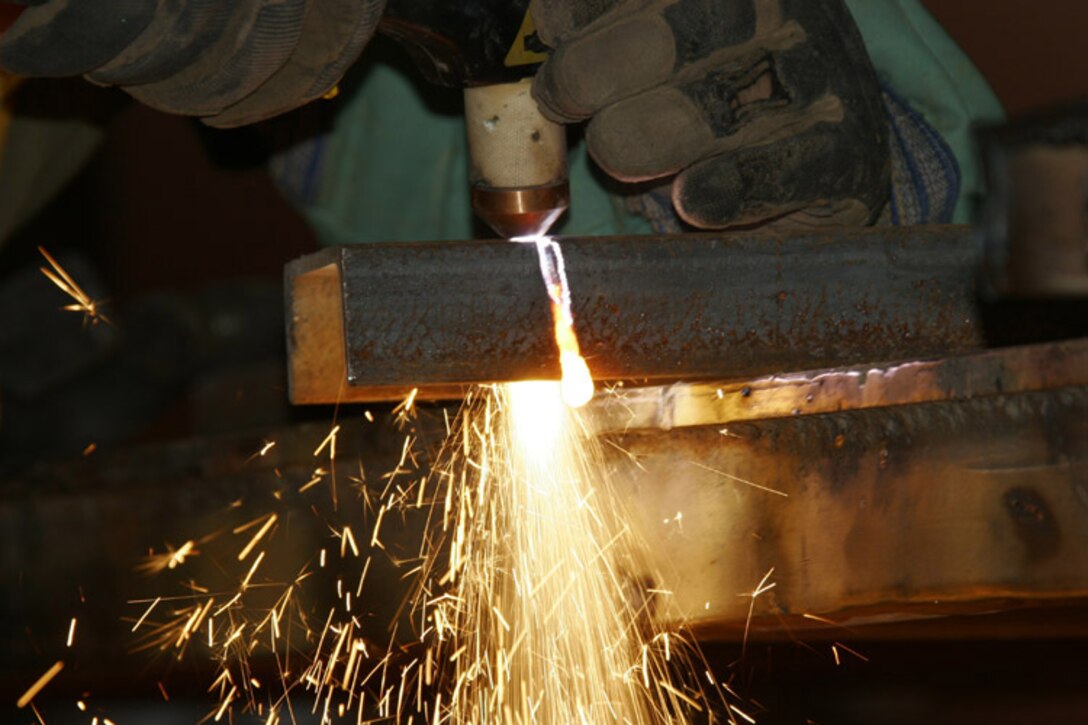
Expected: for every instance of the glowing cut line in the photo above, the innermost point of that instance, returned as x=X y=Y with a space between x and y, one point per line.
x=577 y=383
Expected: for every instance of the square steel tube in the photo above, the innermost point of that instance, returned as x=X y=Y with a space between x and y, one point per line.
x=374 y=321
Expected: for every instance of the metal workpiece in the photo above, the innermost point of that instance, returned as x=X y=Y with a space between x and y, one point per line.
x=375 y=321
x=990 y=373
x=1034 y=220
x=867 y=517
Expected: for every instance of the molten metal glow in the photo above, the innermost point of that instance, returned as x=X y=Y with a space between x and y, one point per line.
x=537 y=418
x=577 y=382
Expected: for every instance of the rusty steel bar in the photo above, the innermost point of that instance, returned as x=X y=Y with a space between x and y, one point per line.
x=865 y=516
x=686 y=307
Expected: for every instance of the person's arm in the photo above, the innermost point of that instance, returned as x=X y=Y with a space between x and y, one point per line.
x=232 y=62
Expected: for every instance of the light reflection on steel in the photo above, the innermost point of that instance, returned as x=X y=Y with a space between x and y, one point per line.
x=994 y=372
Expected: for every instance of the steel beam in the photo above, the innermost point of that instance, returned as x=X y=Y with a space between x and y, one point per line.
x=374 y=321
x=896 y=509
x=866 y=516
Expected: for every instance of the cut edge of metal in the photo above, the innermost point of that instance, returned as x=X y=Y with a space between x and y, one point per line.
x=316 y=371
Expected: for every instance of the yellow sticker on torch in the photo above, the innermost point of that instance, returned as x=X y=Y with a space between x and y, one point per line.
x=520 y=52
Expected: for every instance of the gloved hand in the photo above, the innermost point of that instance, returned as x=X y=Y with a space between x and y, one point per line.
x=763 y=110
x=231 y=61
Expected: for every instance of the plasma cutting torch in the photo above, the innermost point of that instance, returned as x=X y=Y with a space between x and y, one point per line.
x=517 y=157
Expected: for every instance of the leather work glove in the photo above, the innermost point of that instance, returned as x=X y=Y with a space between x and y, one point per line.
x=764 y=111
x=231 y=61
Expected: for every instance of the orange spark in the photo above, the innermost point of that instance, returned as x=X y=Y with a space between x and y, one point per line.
x=857 y=654
x=330 y=441
x=38 y=686
x=738 y=479
x=761 y=588
x=269 y=522
x=83 y=302
x=170 y=559
x=146 y=612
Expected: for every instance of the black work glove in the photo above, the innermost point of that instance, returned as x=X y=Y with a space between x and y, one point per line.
x=764 y=110
x=231 y=61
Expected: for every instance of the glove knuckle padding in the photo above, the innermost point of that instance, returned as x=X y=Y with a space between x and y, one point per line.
x=701 y=79
x=627 y=47
x=595 y=70
x=556 y=19
x=333 y=36
x=70 y=37
x=818 y=144
x=181 y=31
x=803 y=173
x=701 y=27
x=247 y=59
x=650 y=135
x=236 y=61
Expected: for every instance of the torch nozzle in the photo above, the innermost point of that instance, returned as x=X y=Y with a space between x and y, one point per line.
x=521 y=212
x=517 y=160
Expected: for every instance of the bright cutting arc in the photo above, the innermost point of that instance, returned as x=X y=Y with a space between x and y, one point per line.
x=577 y=382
